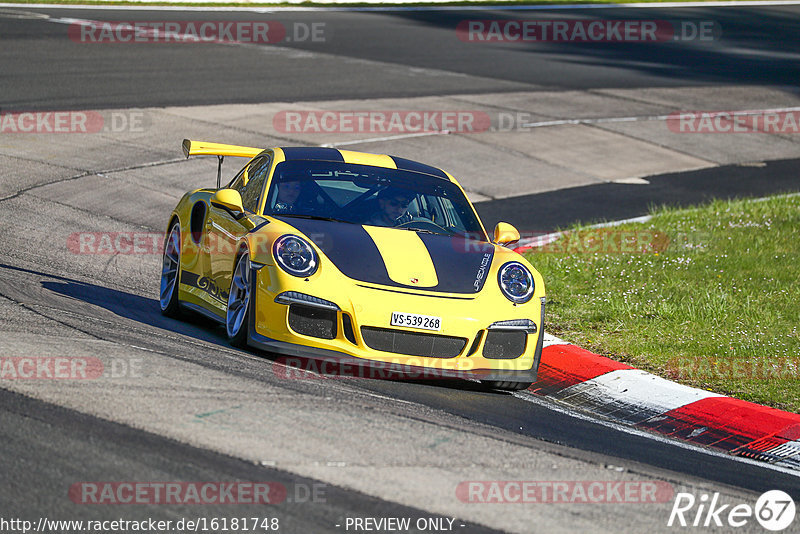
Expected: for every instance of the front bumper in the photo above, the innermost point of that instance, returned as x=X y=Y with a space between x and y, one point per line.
x=506 y=347
x=341 y=360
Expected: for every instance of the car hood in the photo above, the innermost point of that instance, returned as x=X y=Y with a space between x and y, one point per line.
x=400 y=258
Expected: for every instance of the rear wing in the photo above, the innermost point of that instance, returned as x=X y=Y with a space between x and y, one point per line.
x=203 y=148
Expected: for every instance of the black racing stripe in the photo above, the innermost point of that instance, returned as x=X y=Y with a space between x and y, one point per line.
x=348 y=246
x=457 y=261
x=462 y=265
x=313 y=153
x=408 y=165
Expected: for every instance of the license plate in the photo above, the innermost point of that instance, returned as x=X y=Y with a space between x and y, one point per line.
x=415 y=320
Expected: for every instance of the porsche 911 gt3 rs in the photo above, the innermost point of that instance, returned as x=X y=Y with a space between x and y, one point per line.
x=354 y=257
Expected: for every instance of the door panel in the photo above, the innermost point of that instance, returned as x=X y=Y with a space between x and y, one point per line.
x=226 y=233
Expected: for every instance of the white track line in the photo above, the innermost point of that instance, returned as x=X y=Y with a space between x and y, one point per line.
x=645 y=118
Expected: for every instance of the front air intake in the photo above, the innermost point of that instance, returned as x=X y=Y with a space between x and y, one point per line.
x=412 y=343
x=312 y=321
x=504 y=344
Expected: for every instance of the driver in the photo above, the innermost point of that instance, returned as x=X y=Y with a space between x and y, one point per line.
x=288 y=193
x=392 y=206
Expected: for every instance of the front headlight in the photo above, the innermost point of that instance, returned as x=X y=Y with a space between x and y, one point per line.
x=516 y=282
x=295 y=255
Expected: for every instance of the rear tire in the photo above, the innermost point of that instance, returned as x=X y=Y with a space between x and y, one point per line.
x=238 y=314
x=171 y=273
x=506 y=385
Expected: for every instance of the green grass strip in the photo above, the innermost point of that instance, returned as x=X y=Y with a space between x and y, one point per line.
x=707 y=296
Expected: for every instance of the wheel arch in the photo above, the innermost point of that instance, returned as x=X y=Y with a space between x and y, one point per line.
x=172 y=220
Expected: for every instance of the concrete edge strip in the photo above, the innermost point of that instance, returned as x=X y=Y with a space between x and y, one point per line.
x=614 y=391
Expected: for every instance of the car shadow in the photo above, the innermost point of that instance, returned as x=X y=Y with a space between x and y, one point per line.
x=125 y=304
x=145 y=310
x=140 y=309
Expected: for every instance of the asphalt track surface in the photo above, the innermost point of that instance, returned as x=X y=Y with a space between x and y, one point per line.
x=72 y=75
x=51 y=445
x=47 y=447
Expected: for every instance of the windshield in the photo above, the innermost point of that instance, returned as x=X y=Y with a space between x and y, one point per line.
x=362 y=194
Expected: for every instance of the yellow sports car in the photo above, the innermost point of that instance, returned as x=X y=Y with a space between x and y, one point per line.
x=355 y=258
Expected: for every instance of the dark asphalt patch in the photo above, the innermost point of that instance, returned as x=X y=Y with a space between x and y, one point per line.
x=546 y=212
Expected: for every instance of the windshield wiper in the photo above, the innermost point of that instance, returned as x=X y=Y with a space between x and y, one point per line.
x=423 y=231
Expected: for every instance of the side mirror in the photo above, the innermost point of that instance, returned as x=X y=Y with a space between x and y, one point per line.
x=228 y=199
x=505 y=234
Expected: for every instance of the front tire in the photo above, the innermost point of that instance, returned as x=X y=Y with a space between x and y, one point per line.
x=237 y=316
x=171 y=273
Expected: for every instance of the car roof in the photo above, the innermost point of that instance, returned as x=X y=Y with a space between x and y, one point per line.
x=347 y=156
